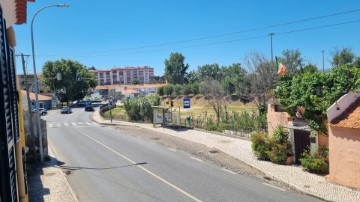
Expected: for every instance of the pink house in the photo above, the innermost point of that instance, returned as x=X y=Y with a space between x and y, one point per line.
x=300 y=134
x=344 y=141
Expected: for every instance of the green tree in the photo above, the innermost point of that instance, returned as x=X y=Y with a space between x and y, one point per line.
x=186 y=90
x=357 y=62
x=292 y=60
x=195 y=88
x=160 y=91
x=342 y=57
x=178 y=89
x=316 y=92
x=175 y=69
x=192 y=77
x=68 y=89
x=232 y=77
x=310 y=68
x=211 y=71
x=169 y=89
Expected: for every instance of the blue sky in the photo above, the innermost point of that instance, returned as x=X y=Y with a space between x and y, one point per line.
x=118 y=33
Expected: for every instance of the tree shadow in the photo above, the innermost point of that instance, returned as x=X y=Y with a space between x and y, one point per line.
x=35 y=171
x=36 y=190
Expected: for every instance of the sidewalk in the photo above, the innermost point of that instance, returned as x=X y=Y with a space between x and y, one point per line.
x=293 y=176
x=47 y=182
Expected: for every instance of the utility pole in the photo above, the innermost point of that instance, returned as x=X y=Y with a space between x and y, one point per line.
x=27 y=95
x=271 y=46
x=323 y=60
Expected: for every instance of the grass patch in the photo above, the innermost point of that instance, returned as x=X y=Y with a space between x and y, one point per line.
x=118 y=113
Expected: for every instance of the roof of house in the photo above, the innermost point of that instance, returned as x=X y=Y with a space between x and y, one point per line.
x=141 y=86
x=40 y=97
x=350 y=118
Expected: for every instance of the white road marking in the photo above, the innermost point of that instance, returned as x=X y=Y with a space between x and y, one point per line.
x=196 y=159
x=229 y=171
x=74 y=124
x=144 y=169
x=51 y=125
x=172 y=149
x=58 y=125
x=275 y=187
x=66 y=124
x=87 y=123
x=80 y=123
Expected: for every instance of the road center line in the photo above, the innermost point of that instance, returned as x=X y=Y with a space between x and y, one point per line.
x=143 y=168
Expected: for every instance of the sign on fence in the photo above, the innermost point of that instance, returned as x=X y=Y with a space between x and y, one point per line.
x=186 y=103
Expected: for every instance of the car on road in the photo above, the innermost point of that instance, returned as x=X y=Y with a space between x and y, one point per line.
x=42 y=111
x=89 y=108
x=66 y=110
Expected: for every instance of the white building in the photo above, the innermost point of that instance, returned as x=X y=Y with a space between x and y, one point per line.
x=124 y=75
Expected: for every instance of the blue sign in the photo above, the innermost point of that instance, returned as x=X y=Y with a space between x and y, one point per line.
x=186 y=103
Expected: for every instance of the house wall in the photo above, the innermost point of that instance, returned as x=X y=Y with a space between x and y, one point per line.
x=344 y=156
x=341 y=105
x=275 y=118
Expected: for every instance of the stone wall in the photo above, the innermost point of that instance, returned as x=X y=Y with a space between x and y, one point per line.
x=32 y=142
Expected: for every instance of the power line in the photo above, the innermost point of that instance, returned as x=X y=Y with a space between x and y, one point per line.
x=227 y=34
x=319 y=27
x=221 y=42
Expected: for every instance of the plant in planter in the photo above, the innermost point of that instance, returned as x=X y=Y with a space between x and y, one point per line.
x=260 y=145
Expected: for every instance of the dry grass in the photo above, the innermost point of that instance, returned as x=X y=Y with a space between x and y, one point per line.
x=200 y=106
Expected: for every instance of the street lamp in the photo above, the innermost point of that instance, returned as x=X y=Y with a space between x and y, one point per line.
x=36 y=81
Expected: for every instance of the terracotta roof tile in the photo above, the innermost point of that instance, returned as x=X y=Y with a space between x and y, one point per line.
x=32 y=96
x=350 y=118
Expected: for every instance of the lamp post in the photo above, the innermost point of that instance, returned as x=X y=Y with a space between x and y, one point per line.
x=36 y=80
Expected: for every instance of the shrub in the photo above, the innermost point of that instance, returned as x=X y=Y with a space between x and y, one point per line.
x=169 y=89
x=315 y=162
x=160 y=90
x=260 y=145
x=280 y=145
x=139 y=109
x=178 y=89
x=279 y=152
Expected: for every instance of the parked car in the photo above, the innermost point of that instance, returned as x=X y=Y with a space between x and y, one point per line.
x=42 y=111
x=66 y=110
x=89 y=108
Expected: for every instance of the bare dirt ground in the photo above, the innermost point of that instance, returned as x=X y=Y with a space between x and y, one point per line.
x=199 y=151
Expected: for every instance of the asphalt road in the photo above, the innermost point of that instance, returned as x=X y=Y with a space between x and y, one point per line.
x=104 y=164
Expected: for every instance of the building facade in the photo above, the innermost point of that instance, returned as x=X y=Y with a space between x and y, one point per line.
x=124 y=75
x=31 y=84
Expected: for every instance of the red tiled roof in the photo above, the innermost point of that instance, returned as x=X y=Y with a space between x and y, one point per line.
x=350 y=118
x=32 y=96
x=129 y=86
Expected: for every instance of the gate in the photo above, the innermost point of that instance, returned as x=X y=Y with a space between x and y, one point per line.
x=302 y=143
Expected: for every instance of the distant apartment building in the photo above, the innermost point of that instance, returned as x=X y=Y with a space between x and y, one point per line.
x=31 y=84
x=124 y=75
